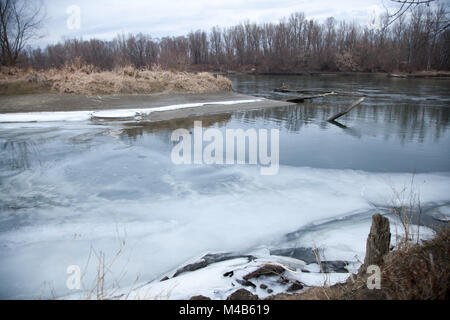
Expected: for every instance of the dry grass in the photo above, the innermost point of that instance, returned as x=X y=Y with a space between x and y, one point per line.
x=406 y=207
x=105 y=283
x=414 y=272
x=419 y=271
x=81 y=79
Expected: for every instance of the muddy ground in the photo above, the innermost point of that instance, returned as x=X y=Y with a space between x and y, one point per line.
x=66 y=102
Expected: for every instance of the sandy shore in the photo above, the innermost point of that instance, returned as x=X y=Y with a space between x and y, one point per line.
x=64 y=102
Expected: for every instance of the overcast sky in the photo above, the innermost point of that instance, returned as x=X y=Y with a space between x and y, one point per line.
x=104 y=19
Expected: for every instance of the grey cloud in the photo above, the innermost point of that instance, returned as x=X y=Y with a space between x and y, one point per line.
x=106 y=18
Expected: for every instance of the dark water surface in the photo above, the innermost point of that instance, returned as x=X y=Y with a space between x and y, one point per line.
x=402 y=126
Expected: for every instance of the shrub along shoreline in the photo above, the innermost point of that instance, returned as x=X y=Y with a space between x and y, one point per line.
x=82 y=79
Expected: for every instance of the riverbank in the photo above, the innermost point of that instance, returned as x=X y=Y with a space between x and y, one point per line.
x=80 y=92
x=162 y=106
x=419 y=74
x=414 y=272
x=81 y=79
x=413 y=269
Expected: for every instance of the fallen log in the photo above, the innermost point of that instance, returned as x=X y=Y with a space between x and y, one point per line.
x=286 y=90
x=340 y=114
x=303 y=98
x=318 y=91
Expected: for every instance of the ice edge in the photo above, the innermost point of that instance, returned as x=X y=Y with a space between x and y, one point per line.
x=112 y=114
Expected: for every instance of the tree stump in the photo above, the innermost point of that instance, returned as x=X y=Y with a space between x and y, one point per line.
x=378 y=241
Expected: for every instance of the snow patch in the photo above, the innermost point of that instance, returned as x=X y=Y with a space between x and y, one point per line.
x=109 y=114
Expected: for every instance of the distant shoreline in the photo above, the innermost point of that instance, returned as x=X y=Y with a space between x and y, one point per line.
x=422 y=74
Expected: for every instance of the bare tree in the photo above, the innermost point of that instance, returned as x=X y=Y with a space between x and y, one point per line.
x=198 y=47
x=20 y=21
x=404 y=6
x=216 y=45
x=416 y=41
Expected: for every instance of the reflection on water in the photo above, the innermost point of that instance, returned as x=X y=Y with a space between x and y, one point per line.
x=400 y=134
x=380 y=89
x=18 y=152
x=408 y=123
x=135 y=130
x=390 y=138
x=401 y=126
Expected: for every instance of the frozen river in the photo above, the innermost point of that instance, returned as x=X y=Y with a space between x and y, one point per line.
x=69 y=190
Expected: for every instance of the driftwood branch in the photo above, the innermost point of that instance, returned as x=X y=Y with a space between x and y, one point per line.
x=314 y=93
x=340 y=114
x=303 y=98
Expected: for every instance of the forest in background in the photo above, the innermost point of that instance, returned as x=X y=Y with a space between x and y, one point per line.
x=415 y=42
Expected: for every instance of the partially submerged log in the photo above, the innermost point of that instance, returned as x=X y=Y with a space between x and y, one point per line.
x=340 y=114
x=285 y=89
x=303 y=98
x=314 y=93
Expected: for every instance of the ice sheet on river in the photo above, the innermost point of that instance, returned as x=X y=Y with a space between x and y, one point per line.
x=52 y=217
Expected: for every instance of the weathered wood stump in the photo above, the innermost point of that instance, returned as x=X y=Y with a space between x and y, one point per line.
x=378 y=241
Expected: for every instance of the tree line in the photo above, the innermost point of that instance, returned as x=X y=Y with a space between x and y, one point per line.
x=417 y=41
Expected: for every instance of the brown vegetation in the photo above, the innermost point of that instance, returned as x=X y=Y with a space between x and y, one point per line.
x=83 y=79
x=415 y=272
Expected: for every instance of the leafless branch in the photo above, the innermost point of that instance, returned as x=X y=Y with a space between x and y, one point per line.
x=20 y=22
